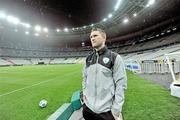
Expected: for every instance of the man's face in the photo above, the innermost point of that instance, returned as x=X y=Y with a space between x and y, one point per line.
x=97 y=39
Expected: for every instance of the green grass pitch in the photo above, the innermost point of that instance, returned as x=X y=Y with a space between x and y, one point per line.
x=22 y=87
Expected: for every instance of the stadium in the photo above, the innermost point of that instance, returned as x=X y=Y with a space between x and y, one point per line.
x=44 y=45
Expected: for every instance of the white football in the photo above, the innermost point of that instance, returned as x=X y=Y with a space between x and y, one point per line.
x=43 y=103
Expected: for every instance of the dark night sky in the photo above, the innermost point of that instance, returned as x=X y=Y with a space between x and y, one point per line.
x=70 y=13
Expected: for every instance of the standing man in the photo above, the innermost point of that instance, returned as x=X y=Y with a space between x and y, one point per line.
x=104 y=81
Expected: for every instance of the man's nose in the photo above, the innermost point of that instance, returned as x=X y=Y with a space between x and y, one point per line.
x=92 y=39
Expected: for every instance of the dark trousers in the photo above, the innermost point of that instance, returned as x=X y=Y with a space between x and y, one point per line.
x=90 y=115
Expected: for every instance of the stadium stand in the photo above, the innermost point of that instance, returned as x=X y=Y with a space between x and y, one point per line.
x=146 y=50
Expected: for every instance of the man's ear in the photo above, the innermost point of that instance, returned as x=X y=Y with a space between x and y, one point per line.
x=105 y=36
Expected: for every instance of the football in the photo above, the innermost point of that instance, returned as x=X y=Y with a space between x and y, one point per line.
x=43 y=103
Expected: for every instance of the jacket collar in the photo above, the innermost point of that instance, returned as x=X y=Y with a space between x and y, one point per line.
x=102 y=50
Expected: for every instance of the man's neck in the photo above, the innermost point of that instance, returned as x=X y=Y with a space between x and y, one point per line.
x=99 y=48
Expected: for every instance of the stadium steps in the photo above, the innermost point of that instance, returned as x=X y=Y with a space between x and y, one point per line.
x=31 y=61
x=4 y=62
x=9 y=61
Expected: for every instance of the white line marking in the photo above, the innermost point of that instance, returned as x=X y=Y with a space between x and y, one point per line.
x=37 y=84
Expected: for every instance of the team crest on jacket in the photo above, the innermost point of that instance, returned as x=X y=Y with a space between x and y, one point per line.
x=105 y=60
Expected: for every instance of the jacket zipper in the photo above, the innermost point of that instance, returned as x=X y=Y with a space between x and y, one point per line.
x=96 y=78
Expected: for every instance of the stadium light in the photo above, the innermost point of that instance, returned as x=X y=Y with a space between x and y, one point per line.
x=84 y=26
x=125 y=20
x=168 y=31
x=92 y=24
x=110 y=15
x=150 y=2
x=117 y=5
x=147 y=5
x=45 y=30
x=57 y=30
x=37 y=28
x=36 y=34
x=13 y=20
x=26 y=25
x=174 y=29
x=135 y=14
x=66 y=30
x=2 y=15
x=105 y=19
x=27 y=32
x=157 y=35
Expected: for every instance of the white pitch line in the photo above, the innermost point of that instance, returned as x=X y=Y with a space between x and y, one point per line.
x=36 y=84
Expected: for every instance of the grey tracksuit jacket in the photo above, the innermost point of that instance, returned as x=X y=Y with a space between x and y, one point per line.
x=104 y=81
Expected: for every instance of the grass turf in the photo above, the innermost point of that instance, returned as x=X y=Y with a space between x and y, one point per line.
x=148 y=101
x=21 y=89
x=55 y=83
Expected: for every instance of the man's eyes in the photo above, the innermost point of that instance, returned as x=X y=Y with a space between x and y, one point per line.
x=93 y=36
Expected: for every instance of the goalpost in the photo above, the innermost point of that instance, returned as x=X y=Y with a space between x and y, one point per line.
x=173 y=61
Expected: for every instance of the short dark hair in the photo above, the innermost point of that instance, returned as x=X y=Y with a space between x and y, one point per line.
x=103 y=33
x=98 y=29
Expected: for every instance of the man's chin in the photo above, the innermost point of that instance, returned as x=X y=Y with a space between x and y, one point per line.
x=94 y=46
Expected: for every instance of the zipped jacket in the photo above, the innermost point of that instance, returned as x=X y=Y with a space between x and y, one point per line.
x=104 y=81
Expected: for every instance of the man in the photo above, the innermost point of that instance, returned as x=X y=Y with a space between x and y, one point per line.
x=104 y=81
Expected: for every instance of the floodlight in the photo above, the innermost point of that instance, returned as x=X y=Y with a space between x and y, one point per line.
x=37 y=28
x=27 y=32
x=110 y=15
x=2 y=15
x=125 y=20
x=117 y=5
x=58 y=30
x=45 y=30
x=13 y=20
x=66 y=30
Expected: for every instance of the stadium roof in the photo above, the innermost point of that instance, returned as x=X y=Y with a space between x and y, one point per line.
x=117 y=17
